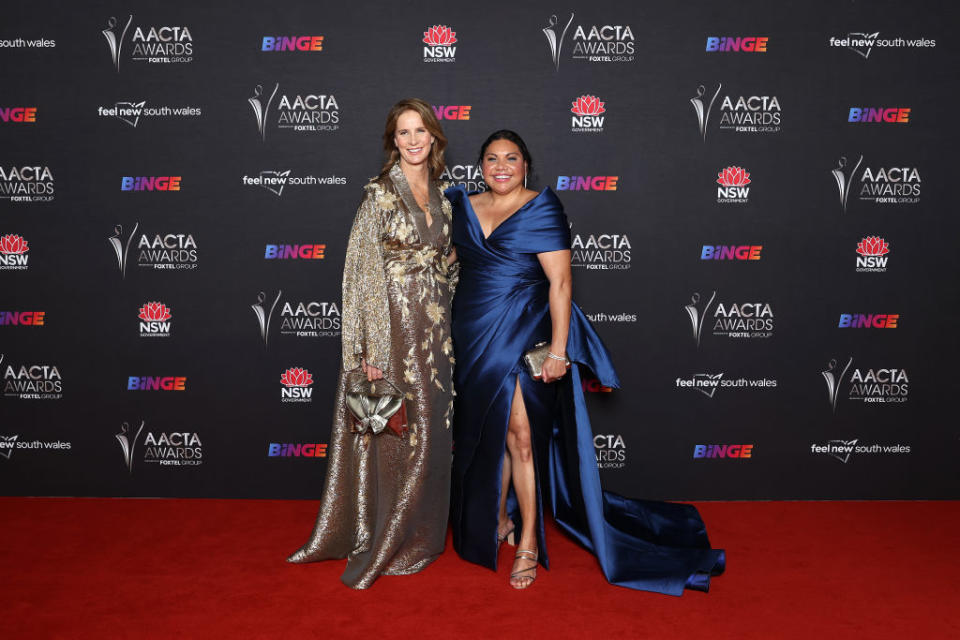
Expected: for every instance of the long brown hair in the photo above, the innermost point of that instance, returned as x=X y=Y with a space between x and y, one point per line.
x=436 y=159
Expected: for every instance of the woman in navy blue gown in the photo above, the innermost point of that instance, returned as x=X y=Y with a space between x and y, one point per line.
x=521 y=443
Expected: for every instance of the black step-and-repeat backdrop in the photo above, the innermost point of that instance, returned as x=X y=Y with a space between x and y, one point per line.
x=763 y=217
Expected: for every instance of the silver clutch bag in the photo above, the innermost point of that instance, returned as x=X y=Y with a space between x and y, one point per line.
x=534 y=359
x=375 y=405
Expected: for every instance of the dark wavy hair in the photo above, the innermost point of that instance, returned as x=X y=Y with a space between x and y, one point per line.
x=436 y=159
x=512 y=136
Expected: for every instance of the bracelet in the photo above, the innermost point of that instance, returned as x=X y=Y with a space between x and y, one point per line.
x=554 y=356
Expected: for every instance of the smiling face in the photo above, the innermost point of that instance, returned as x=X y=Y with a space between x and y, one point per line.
x=503 y=166
x=412 y=138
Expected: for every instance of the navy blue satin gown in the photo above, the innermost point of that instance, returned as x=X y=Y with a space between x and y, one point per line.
x=500 y=310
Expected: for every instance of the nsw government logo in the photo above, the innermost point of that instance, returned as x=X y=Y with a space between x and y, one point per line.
x=13 y=253
x=300 y=113
x=27 y=183
x=610 y=451
x=164 y=449
x=587 y=113
x=738 y=320
x=165 y=44
x=439 y=40
x=606 y=251
x=166 y=251
x=31 y=381
x=154 y=320
x=300 y=319
x=882 y=385
x=297 y=383
x=872 y=255
x=733 y=187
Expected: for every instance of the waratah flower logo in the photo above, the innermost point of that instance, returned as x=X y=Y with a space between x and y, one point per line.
x=296 y=377
x=733 y=177
x=588 y=106
x=13 y=244
x=439 y=34
x=155 y=312
x=873 y=246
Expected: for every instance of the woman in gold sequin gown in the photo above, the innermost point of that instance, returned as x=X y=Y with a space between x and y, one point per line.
x=385 y=501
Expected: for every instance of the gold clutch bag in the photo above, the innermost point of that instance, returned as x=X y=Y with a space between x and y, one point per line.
x=376 y=405
x=535 y=358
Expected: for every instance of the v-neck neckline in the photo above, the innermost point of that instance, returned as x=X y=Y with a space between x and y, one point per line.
x=476 y=218
x=414 y=210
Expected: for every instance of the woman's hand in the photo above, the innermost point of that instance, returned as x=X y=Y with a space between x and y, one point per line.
x=553 y=370
x=372 y=372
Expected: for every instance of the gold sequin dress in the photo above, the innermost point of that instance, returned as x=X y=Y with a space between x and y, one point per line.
x=386 y=498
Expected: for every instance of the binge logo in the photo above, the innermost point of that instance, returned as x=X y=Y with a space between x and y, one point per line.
x=731 y=252
x=587 y=118
x=296 y=450
x=750 y=114
x=900 y=115
x=587 y=183
x=452 y=112
x=741 y=451
x=13 y=253
x=872 y=255
x=869 y=321
x=604 y=251
x=150 y=183
x=610 y=451
x=154 y=320
x=295 y=251
x=157 y=383
x=733 y=187
x=20 y=115
x=29 y=183
x=25 y=318
x=467 y=176
x=32 y=382
x=296 y=383
x=292 y=43
x=592 y=385
x=749 y=44
x=439 y=39
x=151 y=44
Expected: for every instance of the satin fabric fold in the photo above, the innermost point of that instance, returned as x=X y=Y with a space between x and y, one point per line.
x=501 y=309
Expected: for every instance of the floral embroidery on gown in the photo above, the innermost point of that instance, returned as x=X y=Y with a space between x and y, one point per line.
x=385 y=500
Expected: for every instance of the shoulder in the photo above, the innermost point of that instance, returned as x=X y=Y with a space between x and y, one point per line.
x=380 y=193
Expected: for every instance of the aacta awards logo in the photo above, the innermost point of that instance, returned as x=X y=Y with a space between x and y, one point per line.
x=311 y=319
x=296 y=383
x=167 y=251
x=174 y=449
x=877 y=185
x=31 y=381
x=740 y=114
x=28 y=183
x=131 y=112
x=276 y=181
x=601 y=251
x=610 y=451
x=27 y=115
x=301 y=113
x=587 y=113
x=154 y=320
x=882 y=385
x=150 y=44
x=872 y=255
x=591 y=43
x=13 y=253
x=731 y=320
x=733 y=187
x=439 y=40
x=467 y=176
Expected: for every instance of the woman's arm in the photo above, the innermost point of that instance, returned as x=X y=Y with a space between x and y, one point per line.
x=556 y=264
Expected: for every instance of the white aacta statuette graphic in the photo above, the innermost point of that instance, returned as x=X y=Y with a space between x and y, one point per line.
x=843 y=180
x=122 y=250
x=555 y=38
x=260 y=110
x=128 y=443
x=834 y=380
x=703 y=114
x=264 y=316
x=697 y=316
x=114 y=41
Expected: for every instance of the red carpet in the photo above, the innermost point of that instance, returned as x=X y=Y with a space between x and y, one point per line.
x=108 y=569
